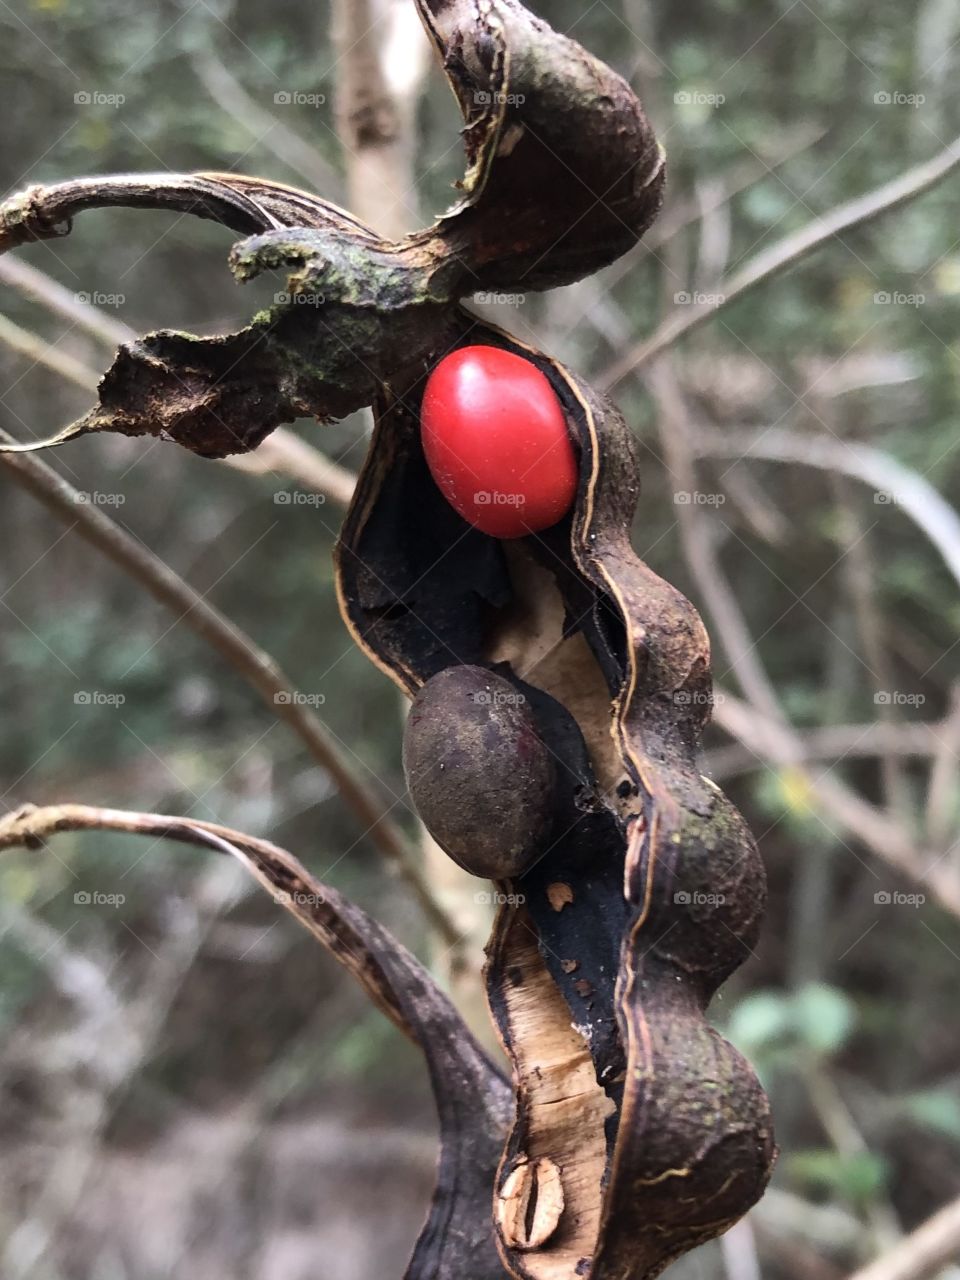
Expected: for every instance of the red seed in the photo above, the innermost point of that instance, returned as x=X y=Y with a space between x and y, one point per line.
x=496 y=442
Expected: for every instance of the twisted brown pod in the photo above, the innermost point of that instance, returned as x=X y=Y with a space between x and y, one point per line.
x=638 y=1132
x=658 y=1127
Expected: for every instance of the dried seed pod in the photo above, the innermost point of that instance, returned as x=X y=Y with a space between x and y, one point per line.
x=480 y=775
x=652 y=891
x=543 y=116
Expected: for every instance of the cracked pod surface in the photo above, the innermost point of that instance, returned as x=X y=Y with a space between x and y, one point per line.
x=632 y=1111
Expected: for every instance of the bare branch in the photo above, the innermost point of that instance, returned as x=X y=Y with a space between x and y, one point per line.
x=41 y=288
x=740 y=178
x=36 y=349
x=855 y=817
x=233 y=100
x=921 y=1254
x=833 y=741
x=239 y=650
x=762 y=724
x=342 y=928
x=382 y=57
x=284 y=452
x=942 y=791
x=893 y=483
x=787 y=253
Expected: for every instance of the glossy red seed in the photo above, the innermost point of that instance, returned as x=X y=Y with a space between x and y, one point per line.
x=496 y=442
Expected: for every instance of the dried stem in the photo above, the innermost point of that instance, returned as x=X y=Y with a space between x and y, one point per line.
x=287 y=145
x=893 y=483
x=239 y=650
x=837 y=740
x=855 y=817
x=761 y=724
x=341 y=927
x=922 y=1254
x=787 y=253
x=46 y=213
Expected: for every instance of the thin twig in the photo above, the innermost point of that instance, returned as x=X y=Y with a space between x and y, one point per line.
x=31 y=345
x=856 y=817
x=942 y=789
x=893 y=483
x=66 y=303
x=235 y=102
x=121 y=1046
x=343 y=929
x=859 y=574
x=761 y=723
x=787 y=253
x=250 y=661
x=830 y=742
x=740 y=178
x=920 y=1255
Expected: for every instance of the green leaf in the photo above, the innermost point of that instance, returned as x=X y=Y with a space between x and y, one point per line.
x=824 y=1017
x=937 y=1109
x=859 y=1177
x=759 y=1020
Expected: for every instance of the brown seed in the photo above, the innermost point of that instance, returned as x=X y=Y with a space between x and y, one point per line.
x=479 y=774
x=559 y=894
x=530 y=1203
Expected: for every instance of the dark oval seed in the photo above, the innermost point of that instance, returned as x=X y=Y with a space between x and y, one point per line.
x=479 y=774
